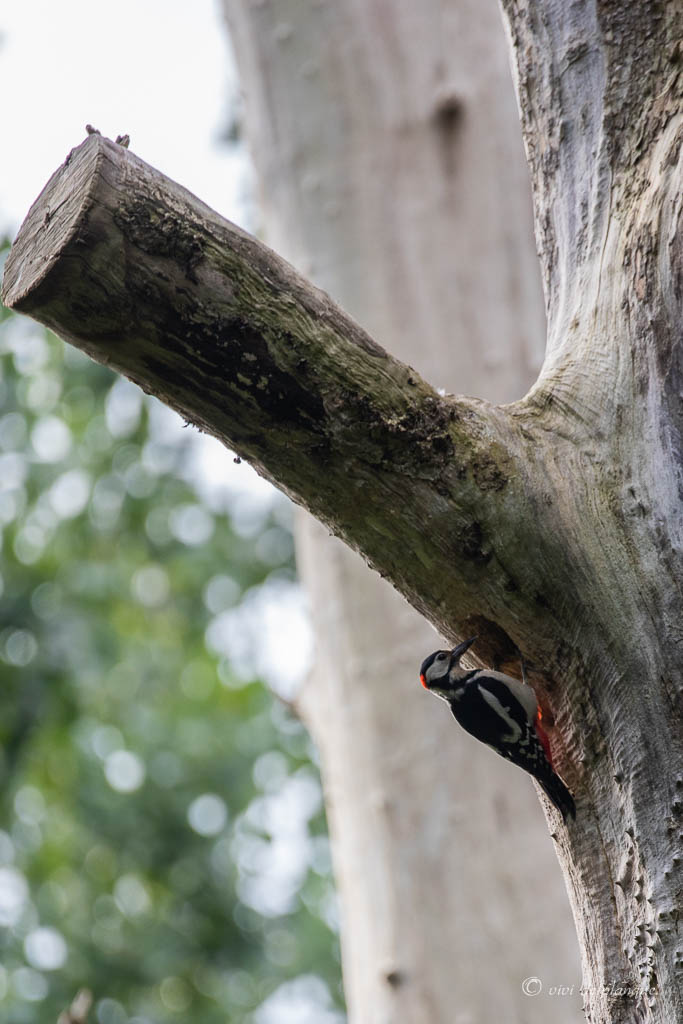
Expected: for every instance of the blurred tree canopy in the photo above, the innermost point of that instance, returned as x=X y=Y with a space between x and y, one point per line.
x=162 y=836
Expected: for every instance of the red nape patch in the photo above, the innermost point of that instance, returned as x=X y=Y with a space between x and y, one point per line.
x=545 y=742
x=423 y=680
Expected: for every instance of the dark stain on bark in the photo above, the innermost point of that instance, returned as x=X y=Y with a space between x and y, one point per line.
x=159 y=232
x=471 y=540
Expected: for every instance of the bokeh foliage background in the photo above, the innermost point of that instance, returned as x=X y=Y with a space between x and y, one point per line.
x=162 y=836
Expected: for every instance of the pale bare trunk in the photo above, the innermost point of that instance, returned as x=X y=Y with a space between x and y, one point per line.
x=391 y=170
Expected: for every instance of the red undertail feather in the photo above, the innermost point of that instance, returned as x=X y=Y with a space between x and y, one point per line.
x=545 y=742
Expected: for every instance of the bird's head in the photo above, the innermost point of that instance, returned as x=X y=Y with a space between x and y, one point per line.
x=441 y=671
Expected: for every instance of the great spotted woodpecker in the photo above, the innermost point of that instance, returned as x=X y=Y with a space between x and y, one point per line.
x=501 y=712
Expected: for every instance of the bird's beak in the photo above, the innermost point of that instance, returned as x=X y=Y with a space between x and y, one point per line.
x=458 y=651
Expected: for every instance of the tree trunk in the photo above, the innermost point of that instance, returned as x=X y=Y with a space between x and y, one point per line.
x=551 y=525
x=391 y=170
x=599 y=88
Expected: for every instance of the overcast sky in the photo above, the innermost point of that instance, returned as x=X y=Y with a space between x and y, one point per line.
x=159 y=70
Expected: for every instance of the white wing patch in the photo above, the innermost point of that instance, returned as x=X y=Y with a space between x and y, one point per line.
x=524 y=694
x=515 y=730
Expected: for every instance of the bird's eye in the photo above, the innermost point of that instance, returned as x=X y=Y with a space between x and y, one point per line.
x=440 y=657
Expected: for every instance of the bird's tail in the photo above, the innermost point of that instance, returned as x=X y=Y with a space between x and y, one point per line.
x=557 y=792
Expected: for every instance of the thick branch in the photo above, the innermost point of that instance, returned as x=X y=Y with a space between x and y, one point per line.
x=133 y=269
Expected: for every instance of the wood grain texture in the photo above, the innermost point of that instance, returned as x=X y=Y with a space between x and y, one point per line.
x=599 y=88
x=143 y=277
